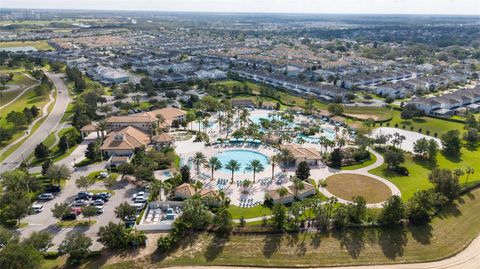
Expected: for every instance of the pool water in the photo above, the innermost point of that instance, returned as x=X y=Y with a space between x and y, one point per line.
x=257 y=117
x=243 y=157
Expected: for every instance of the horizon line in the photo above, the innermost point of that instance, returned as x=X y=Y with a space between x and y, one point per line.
x=239 y=12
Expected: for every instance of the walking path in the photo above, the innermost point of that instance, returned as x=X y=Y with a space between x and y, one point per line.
x=469 y=258
x=21 y=93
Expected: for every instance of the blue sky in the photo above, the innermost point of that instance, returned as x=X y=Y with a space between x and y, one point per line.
x=460 y=7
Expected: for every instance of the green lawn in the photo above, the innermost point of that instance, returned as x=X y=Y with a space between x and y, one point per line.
x=356 y=166
x=249 y=212
x=444 y=237
x=75 y=223
x=419 y=171
x=40 y=45
x=426 y=124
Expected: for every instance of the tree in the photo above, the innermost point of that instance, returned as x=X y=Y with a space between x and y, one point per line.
x=116 y=236
x=233 y=166
x=469 y=170
x=15 y=205
x=445 y=182
x=335 y=109
x=303 y=171
x=77 y=246
x=223 y=221
x=60 y=210
x=471 y=136
x=40 y=240
x=336 y=158
x=84 y=182
x=273 y=161
x=89 y=211
x=126 y=169
x=357 y=211
x=451 y=143
x=423 y=206
x=286 y=156
x=411 y=111
x=19 y=180
x=19 y=256
x=341 y=217
x=93 y=151
x=195 y=214
x=58 y=172
x=393 y=211
x=254 y=166
x=279 y=216
x=393 y=159
x=213 y=164
x=432 y=150
x=185 y=172
x=298 y=185
x=198 y=160
x=420 y=147
x=125 y=210
x=41 y=151
x=144 y=173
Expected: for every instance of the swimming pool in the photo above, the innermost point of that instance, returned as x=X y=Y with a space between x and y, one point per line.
x=243 y=157
x=257 y=117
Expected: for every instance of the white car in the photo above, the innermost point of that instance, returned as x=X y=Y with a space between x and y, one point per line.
x=98 y=202
x=37 y=208
x=138 y=194
x=103 y=175
x=80 y=203
x=99 y=209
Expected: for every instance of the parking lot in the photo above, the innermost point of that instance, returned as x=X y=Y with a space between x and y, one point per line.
x=44 y=220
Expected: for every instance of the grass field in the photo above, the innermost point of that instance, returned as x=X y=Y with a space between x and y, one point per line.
x=445 y=236
x=419 y=170
x=40 y=45
x=346 y=186
x=366 y=163
x=431 y=124
x=250 y=212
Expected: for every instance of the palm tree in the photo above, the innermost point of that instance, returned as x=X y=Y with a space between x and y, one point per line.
x=205 y=125
x=244 y=116
x=213 y=164
x=197 y=186
x=286 y=156
x=469 y=170
x=102 y=127
x=254 y=166
x=331 y=202
x=198 y=160
x=340 y=142
x=273 y=161
x=298 y=185
x=233 y=166
x=282 y=192
x=322 y=140
x=161 y=121
x=220 y=120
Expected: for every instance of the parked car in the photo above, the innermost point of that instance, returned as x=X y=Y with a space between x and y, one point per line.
x=103 y=175
x=138 y=194
x=98 y=202
x=45 y=197
x=84 y=193
x=70 y=216
x=36 y=208
x=76 y=210
x=80 y=203
x=140 y=199
x=101 y=196
x=99 y=209
x=52 y=189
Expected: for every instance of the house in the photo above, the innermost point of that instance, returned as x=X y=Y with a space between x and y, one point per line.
x=277 y=199
x=164 y=118
x=163 y=140
x=300 y=154
x=392 y=90
x=308 y=190
x=211 y=74
x=186 y=190
x=242 y=103
x=108 y=76
x=268 y=105
x=124 y=140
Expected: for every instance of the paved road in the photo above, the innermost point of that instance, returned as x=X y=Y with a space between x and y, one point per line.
x=53 y=119
x=12 y=88
x=467 y=259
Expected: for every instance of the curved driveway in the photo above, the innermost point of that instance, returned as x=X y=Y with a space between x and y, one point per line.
x=53 y=119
